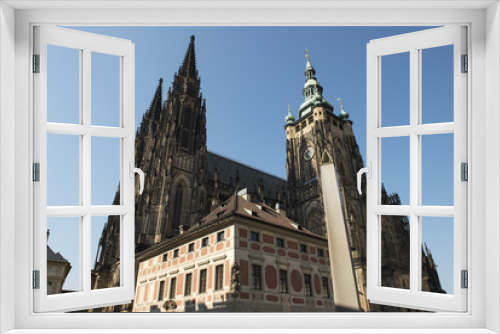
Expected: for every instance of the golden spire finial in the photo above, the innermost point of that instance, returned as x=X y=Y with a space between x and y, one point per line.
x=341 y=105
x=307 y=54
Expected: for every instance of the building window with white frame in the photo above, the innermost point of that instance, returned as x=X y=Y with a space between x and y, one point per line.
x=161 y=290
x=283 y=281
x=203 y=281
x=308 y=285
x=187 y=284
x=173 y=288
x=256 y=277
x=219 y=277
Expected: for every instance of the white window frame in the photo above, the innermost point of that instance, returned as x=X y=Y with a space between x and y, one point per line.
x=86 y=44
x=483 y=20
x=414 y=43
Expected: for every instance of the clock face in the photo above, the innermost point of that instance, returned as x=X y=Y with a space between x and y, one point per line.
x=309 y=153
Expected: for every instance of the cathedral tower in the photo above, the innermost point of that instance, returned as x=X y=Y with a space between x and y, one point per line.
x=319 y=133
x=316 y=132
x=171 y=150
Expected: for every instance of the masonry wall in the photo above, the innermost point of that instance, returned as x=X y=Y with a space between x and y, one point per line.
x=155 y=270
x=272 y=258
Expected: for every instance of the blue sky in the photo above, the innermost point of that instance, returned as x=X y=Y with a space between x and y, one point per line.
x=248 y=76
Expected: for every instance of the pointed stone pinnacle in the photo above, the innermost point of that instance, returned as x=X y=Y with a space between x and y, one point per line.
x=189 y=64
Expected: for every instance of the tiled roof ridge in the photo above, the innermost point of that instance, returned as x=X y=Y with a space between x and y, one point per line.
x=227 y=211
x=246 y=165
x=289 y=221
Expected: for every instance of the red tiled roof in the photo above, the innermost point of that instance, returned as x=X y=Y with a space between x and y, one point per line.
x=257 y=211
x=237 y=205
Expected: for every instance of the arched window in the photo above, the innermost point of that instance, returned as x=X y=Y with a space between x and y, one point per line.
x=316 y=223
x=179 y=192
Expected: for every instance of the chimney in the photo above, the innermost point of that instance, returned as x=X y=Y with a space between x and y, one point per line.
x=48 y=235
x=279 y=210
x=244 y=193
x=181 y=229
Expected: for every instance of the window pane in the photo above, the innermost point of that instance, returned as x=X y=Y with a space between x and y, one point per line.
x=63 y=170
x=63 y=255
x=395 y=91
x=437 y=169
x=105 y=233
x=437 y=262
x=173 y=288
x=63 y=85
x=437 y=84
x=105 y=170
x=203 y=281
x=105 y=90
x=395 y=244
x=395 y=170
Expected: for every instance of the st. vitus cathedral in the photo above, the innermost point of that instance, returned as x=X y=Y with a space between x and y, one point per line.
x=184 y=181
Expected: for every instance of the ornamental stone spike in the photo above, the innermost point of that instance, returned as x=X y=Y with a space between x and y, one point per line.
x=343 y=114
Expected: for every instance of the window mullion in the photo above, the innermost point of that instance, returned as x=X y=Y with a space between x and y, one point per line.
x=85 y=176
x=415 y=170
x=85 y=162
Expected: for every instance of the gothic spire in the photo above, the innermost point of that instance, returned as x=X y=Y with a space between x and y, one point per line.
x=313 y=91
x=189 y=64
x=155 y=106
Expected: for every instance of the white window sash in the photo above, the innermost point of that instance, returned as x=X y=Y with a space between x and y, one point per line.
x=86 y=43
x=413 y=43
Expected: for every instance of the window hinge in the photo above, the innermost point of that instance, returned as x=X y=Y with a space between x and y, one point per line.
x=465 y=63
x=36 y=279
x=464 y=279
x=464 y=171
x=36 y=63
x=36 y=172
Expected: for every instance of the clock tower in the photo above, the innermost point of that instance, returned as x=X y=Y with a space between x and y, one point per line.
x=319 y=134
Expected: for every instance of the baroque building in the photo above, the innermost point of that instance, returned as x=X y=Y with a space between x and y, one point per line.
x=241 y=257
x=185 y=182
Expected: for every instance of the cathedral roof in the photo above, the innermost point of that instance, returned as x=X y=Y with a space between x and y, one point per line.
x=55 y=257
x=249 y=176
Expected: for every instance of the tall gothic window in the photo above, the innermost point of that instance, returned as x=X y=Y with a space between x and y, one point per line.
x=179 y=192
x=185 y=126
x=185 y=138
x=186 y=118
x=316 y=224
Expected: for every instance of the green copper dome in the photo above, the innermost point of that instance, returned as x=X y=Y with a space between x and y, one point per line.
x=290 y=119
x=313 y=92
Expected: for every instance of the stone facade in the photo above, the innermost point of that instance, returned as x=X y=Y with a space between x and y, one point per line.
x=185 y=182
x=254 y=259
